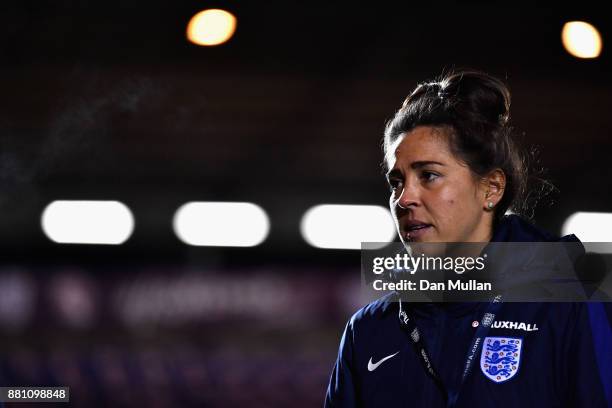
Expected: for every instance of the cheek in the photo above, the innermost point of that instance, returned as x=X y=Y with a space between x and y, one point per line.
x=454 y=203
x=391 y=205
x=393 y=210
x=448 y=198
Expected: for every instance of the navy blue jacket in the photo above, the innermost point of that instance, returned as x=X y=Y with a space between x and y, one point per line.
x=558 y=354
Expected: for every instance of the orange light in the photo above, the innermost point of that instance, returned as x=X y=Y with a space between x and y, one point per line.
x=580 y=39
x=211 y=27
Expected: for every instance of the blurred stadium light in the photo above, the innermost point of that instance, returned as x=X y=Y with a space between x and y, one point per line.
x=87 y=222
x=211 y=27
x=346 y=226
x=230 y=224
x=581 y=39
x=589 y=226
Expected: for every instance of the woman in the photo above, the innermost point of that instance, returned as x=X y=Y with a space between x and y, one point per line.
x=454 y=171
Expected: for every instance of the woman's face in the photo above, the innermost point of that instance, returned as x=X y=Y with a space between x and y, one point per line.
x=434 y=196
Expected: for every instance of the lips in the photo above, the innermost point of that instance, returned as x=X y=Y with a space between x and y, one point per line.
x=414 y=229
x=412 y=225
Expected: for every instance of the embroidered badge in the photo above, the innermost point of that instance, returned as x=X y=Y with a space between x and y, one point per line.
x=501 y=357
x=487 y=319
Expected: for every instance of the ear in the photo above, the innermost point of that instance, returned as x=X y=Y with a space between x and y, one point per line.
x=494 y=185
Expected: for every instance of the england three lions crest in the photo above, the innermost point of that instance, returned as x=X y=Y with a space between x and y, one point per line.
x=500 y=358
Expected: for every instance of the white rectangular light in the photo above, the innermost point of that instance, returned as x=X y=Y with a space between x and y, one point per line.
x=231 y=224
x=346 y=226
x=87 y=222
x=590 y=227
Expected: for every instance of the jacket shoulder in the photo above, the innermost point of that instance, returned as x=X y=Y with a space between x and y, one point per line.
x=375 y=311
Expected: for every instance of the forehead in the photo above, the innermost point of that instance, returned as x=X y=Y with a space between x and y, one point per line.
x=423 y=143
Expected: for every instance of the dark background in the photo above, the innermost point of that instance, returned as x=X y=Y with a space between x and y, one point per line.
x=108 y=100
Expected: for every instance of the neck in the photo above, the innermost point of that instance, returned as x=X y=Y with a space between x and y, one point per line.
x=474 y=245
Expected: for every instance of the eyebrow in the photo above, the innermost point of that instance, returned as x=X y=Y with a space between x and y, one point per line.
x=414 y=165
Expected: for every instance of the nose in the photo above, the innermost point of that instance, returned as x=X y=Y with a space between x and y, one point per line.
x=408 y=197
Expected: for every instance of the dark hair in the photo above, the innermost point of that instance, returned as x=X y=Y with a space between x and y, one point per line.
x=475 y=108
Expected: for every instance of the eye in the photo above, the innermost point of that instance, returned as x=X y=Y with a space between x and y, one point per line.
x=429 y=176
x=394 y=184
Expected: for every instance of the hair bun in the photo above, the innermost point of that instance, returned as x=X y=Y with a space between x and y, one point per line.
x=483 y=95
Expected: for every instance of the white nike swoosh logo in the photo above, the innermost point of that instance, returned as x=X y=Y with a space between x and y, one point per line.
x=374 y=366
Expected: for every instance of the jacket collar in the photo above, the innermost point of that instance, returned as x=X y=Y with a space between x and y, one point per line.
x=512 y=228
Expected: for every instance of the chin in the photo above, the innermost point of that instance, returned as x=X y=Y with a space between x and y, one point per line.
x=426 y=246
